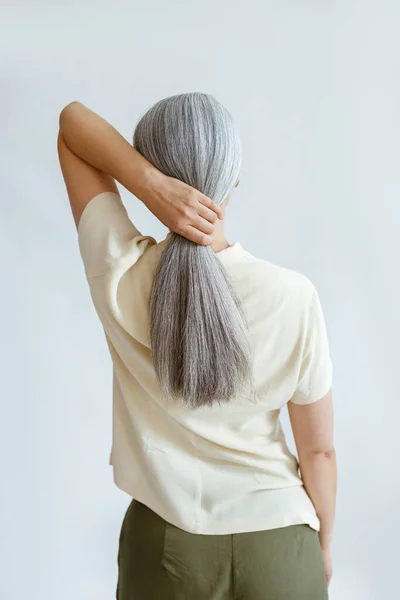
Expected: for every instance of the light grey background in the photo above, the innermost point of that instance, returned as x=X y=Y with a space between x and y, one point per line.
x=314 y=87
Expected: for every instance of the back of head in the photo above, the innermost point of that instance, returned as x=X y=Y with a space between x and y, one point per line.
x=197 y=328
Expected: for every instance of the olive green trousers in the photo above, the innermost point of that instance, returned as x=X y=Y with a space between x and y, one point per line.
x=159 y=561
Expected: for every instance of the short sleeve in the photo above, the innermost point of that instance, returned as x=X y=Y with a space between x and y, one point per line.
x=106 y=234
x=316 y=371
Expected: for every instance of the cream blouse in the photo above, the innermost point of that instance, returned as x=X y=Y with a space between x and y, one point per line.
x=220 y=469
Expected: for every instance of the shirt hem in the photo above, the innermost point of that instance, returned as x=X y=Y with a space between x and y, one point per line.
x=245 y=525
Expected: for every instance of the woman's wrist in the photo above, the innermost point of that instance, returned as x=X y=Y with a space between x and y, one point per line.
x=151 y=188
x=148 y=182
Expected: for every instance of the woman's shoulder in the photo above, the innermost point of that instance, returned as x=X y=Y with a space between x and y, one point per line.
x=272 y=276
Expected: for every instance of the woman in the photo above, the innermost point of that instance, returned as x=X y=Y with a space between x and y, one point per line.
x=208 y=343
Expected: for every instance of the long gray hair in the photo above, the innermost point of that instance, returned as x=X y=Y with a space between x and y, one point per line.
x=198 y=333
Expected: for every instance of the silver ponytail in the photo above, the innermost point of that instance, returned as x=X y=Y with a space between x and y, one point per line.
x=198 y=333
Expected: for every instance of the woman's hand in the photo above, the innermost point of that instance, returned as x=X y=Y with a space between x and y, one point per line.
x=181 y=208
x=327 y=556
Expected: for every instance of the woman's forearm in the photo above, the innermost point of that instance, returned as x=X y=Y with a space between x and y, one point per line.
x=97 y=142
x=319 y=475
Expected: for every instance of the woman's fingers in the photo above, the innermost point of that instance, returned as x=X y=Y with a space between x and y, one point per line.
x=202 y=224
x=211 y=205
x=195 y=216
x=206 y=213
x=193 y=234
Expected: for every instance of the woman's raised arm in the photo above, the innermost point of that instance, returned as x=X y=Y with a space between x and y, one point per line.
x=98 y=144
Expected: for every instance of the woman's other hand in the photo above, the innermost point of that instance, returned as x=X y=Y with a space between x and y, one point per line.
x=327 y=556
x=180 y=207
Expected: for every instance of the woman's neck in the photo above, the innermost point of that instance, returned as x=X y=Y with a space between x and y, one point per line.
x=220 y=242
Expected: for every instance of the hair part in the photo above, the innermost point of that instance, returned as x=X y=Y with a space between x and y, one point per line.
x=198 y=333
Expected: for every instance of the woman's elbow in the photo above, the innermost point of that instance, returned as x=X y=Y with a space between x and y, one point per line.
x=69 y=109
x=327 y=453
